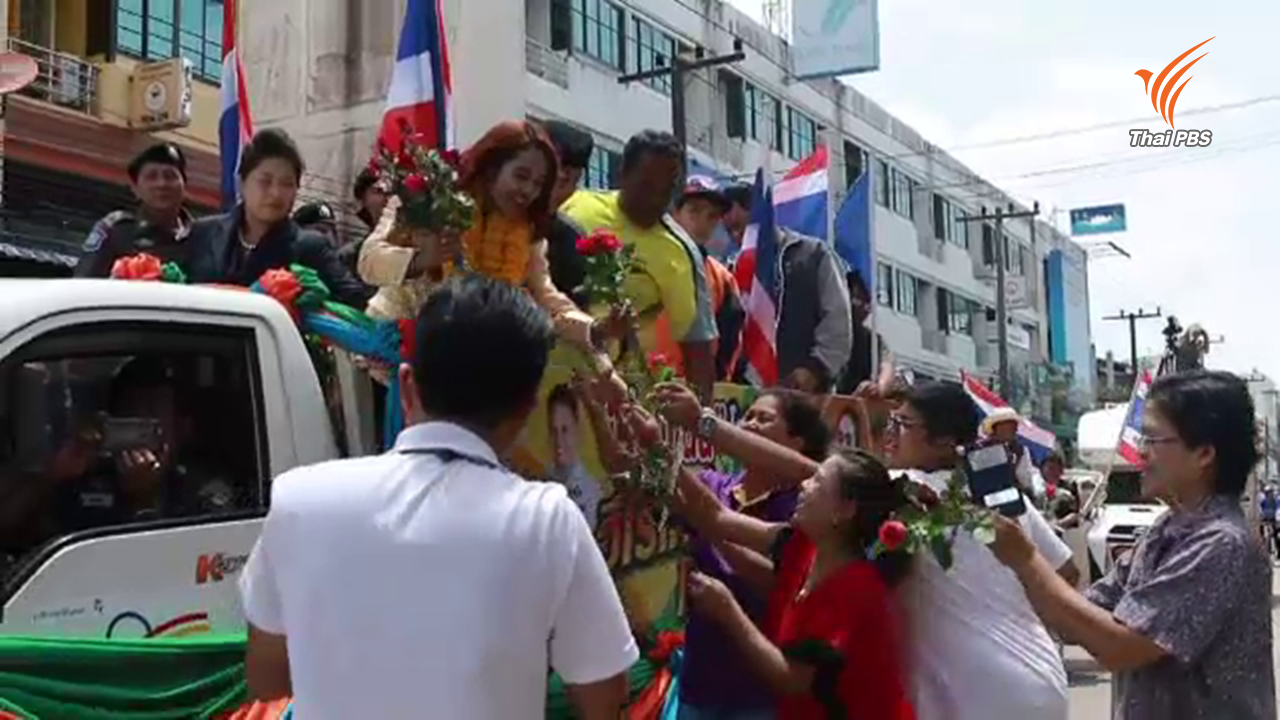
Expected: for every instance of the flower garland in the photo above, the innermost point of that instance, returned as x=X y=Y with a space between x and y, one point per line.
x=145 y=266
x=498 y=248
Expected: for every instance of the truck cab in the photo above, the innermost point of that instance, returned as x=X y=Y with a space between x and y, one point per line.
x=95 y=544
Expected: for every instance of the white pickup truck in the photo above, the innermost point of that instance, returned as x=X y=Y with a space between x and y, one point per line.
x=247 y=405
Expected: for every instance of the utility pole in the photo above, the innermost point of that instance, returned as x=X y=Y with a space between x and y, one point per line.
x=677 y=68
x=1002 y=310
x=1133 y=319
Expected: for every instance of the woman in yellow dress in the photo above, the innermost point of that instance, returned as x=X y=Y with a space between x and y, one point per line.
x=510 y=174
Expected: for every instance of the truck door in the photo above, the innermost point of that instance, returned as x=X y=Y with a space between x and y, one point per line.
x=134 y=462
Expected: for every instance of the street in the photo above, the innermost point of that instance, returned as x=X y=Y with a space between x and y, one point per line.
x=1090 y=692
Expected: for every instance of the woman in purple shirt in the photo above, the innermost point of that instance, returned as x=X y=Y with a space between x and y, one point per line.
x=716 y=682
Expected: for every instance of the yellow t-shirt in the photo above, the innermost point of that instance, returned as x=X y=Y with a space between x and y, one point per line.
x=664 y=279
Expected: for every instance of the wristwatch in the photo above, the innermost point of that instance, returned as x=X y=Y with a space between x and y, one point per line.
x=707 y=424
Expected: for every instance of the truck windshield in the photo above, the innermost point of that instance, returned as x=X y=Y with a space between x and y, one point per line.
x=1124 y=487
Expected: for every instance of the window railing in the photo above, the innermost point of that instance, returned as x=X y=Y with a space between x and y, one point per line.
x=62 y=79
x=546 y=63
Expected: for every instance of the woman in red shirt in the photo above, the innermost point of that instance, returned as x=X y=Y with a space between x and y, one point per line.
x=831 y=644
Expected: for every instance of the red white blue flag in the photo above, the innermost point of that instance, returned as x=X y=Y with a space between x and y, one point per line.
x=420 y=83
x=1038 y=441
x=235 y=126
x=1130 y=445
x=800 y=198
x=757 y=276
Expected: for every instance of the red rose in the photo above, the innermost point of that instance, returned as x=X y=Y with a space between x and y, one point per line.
x=416 y=184
x=452 y=157
x=892 y=534
x=600 y=242
x=657 y=361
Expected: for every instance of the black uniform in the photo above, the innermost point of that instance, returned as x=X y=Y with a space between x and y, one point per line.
x=217 y=256
x=124 y=233
x=568 y=267
x=98 y=501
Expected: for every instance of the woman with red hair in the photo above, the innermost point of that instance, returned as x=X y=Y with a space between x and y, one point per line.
x=510 y=173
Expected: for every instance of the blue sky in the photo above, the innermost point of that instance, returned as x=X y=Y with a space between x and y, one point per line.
x=1204 y=223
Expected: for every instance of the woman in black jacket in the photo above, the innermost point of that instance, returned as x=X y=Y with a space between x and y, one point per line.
x=258 y=235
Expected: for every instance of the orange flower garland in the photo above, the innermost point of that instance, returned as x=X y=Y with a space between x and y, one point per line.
x=497 y=247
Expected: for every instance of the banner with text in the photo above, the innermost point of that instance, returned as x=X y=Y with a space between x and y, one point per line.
x=830 y=38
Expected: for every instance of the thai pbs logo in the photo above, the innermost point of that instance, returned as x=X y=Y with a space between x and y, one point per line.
x=1165 y=91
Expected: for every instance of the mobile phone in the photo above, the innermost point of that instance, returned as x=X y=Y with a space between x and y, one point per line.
x=119 y=433
x=992 y=481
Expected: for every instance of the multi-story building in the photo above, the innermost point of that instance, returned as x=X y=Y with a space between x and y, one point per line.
x=318 y=67
x=69 y=135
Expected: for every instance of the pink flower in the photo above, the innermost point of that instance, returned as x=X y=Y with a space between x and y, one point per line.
x=416 y=184
x=893 y=533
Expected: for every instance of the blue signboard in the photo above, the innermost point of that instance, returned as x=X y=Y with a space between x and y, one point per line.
x=1098 y=220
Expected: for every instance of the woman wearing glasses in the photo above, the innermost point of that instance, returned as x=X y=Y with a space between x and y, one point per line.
x=978 y=651
x=1184 y=620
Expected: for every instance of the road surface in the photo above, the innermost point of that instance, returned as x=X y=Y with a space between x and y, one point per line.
x=1090 y=693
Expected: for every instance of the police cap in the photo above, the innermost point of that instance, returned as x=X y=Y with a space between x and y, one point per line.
x=314 y=213
x=159 y=154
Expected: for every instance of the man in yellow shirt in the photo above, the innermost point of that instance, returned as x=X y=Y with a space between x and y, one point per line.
x=668 y=289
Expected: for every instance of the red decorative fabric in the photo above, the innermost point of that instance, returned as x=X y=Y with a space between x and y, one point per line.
x=138 y=267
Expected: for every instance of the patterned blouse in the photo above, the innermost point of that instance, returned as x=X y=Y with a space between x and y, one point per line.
x=1199 y=585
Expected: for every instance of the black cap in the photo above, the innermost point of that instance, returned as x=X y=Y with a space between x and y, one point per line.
x=314 y=213
x=740 y=195
x=164 y=153
x=572 y=144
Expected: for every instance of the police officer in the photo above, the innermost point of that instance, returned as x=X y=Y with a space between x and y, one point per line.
x=159 y=226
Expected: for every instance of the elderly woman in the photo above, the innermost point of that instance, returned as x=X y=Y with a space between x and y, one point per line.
x=1184 y=620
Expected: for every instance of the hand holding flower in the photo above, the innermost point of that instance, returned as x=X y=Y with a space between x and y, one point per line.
x=678 y=404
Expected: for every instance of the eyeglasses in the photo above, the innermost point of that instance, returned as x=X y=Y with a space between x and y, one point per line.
x=1146 y=441
x=897 y=423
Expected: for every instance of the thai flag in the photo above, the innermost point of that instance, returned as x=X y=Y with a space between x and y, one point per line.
x=235 y=127
x=1130 y=444
x=800 y=198
x=1039 y=442
x=756 y=273
x=420 y=84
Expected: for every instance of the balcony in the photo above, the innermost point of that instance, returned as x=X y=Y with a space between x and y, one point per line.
x=546 y=63
x=63 y=80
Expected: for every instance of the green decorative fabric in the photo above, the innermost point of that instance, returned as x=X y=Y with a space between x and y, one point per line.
x=171 y=272
x=92 y=679
x=350 y=314
x=314 y=291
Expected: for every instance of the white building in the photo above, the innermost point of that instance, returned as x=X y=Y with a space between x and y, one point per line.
x=319 y=68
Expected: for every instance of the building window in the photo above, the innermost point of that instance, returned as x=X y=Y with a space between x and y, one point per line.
x=163 y=29
x=961 y=315
x=960 y=229
x=988 y=246
x=907 y=292
x=802 y=134
x=855 y=161
x=902 y=191
x=1013 y=256
x=649 y=48
x=882 y=183
x=734 y=90
x=602 y=169
x=597 y=31
x=767 y=127
x=884 y=285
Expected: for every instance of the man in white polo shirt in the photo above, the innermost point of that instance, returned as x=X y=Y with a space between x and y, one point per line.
x=431 y=581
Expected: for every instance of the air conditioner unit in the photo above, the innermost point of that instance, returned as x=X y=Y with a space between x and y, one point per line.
x=70 y=76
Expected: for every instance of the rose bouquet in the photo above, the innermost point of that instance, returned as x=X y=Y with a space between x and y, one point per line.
x=608 y=262
x=426 y=182
x=660 y=448
x=931 y=521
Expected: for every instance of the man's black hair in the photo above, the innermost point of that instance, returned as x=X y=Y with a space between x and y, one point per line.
x=946 y=409
x=563 y=395
x=268 y=144
x=740 y=195
x=365 y=180
x=650 y=142
x=1210 y=408
x=314 y=213
x=159 y=154
x=481 y=348
x=572 y=144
